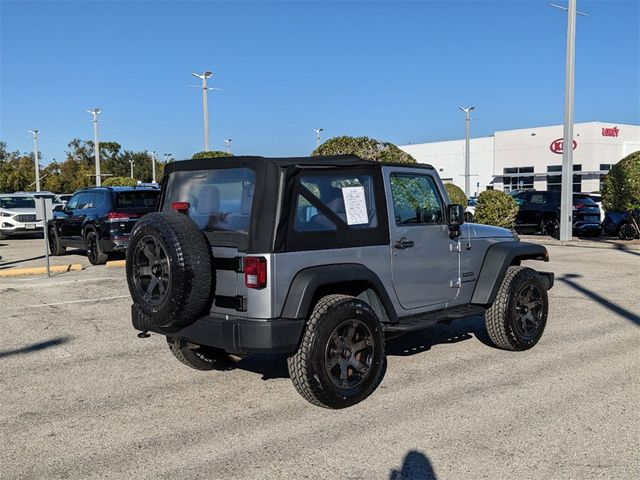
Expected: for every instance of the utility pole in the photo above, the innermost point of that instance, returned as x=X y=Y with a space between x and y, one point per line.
x=35 y=132
x=153 y=166
x=205 y=104
x=566 y=197
x=227 y=144
x=467 y=168
x=96 y=144
x=318 y=131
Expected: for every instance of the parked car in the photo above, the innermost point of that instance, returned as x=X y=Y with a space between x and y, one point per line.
x=99 y=220
x=320 y=258
x=621 y=224
x=18 y=215
x=65 y=197
x=470 y=212
x=540 y=213
x=56 y=202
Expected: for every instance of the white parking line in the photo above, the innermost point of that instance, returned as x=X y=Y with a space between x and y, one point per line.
x=69 y=302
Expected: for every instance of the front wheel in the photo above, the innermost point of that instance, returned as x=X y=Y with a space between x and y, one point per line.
x=517 y=318
x=340 y=360
x=628 y=231
x=55 y=245
x=551 y=227
x=94 y=253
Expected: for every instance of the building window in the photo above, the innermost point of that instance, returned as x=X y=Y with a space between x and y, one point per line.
x=554 y=178
x=517 y=178
x=604 y=167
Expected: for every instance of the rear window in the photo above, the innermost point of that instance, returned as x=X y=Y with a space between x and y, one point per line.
x=17 y=202
x=137 y=199
x=584 y=200
x=219 y=199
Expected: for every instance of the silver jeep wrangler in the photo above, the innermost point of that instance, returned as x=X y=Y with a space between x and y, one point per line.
x=321 y=258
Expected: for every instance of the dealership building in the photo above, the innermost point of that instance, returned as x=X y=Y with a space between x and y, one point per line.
x=532 y=157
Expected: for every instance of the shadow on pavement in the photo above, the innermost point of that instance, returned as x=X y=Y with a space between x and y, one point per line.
x=623 y=248
x=416 y=466
x=6 y=264
x=35 y=347
x=568 y=279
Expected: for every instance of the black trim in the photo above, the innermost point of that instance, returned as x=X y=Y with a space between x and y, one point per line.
x=237 y=335
x=238 y=302
x=307 y=282
x=234 y=264
x=426 y=320
x=497 y=259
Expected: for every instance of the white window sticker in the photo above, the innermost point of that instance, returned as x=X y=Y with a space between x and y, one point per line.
x=355 y=205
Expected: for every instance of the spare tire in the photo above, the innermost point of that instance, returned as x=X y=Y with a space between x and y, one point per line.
x=169 y=269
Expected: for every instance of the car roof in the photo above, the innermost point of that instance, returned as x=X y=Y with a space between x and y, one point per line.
x=120 y=189
x=284 y=162
x=17 y=194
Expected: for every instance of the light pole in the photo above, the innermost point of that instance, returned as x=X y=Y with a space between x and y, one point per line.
x=467 y=174
x=318 y=131
x=131 y=162
x=96 y=144
x=205 y=104
x=227 y=144
x=167 y=157
x=35 y=132
x=153 y=166
x=566 y=197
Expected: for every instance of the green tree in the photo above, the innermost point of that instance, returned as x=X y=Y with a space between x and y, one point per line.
x=456 y=194
x=120 y=182
x=496 y=208
x=211 y=154
x=364 y=147
x=621 y=188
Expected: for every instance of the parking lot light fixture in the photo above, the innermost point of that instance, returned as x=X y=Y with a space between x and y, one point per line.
x=227 y=144
x=467 y=168
x=318 y=131
x=35 y=132
x=205 y=104
x=96 y=145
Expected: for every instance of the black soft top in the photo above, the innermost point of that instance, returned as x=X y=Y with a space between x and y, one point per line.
x=283 y=163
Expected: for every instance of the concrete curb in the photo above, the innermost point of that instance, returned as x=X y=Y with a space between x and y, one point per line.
x=116 y=263
x=14 y=272
x=583 y=244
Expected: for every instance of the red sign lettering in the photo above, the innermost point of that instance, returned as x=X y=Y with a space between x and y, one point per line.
x=610 y=132
x=556 y=145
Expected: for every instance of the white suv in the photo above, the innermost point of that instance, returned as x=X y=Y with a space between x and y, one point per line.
x=18 y=215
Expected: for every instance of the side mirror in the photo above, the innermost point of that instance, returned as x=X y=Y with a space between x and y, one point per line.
x=455 y=218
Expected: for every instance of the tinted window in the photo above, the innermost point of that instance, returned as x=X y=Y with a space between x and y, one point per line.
x=325 y=201
x=583 y=199
x=73 y=203
x=84 y=200
x=17 y=202
x=415 y=200
x=137 y=199
x=219 y=200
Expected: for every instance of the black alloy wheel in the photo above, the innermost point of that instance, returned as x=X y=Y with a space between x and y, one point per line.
x=628 y=231
x=551 y=227
x=151 y=270
x=94 y=254
x=349 y=354
x=529 y=312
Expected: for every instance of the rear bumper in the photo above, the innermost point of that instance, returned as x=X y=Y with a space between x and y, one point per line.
x=114 y=244
x=236 y=335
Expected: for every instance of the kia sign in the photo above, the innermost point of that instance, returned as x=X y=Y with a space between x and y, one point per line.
x=556 y=145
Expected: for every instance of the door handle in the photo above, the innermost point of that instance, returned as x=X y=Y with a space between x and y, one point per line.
x=403 y=244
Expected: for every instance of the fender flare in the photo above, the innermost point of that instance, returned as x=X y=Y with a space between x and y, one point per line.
x=498 y=258
x=306 y=283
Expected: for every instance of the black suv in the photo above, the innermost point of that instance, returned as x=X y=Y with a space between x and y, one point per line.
x=540 y=212
x=99 y=220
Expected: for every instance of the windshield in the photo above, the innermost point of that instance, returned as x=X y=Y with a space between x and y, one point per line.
x=219 y=199
x=17 y=202
x=137 y=199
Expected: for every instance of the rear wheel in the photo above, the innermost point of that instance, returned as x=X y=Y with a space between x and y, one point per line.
x=551 y=227
x=628 y=231
x=518 y=316
x=55 y=245
x=94 y=253
x=340 y=360
x=199 y=357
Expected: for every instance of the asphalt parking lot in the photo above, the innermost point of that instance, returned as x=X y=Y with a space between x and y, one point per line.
x=83 y=397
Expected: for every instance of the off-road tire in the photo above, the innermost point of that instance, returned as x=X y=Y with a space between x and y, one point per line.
x=190 y=281
x=55 y=245
x=199 y=357
x=94 y=253
x=501 y=317
x=307 y=367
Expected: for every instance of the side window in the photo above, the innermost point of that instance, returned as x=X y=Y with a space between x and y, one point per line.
x=520 y=198
x=96 y=200
x=415 y=200
x=329 y=202
x=84 y=199
x=538 y=199
x=73 y=202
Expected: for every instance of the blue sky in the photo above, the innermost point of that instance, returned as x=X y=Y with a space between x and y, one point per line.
x=396 y=71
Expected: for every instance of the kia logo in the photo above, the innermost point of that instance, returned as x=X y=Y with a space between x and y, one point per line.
x=556 y=145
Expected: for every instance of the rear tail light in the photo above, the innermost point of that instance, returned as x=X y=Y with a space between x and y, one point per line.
x=255 y=272
x=119 y=216
x=180 y=207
